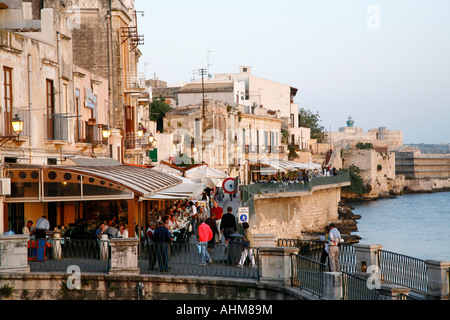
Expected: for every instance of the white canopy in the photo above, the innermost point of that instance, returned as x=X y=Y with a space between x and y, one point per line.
x=205 y=172
x=181 y=191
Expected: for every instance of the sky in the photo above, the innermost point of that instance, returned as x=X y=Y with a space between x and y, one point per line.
x=386 y=63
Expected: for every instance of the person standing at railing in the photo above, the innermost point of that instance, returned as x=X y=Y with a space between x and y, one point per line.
x=326 y=246
x=247 y=247
x=162 y=238
x=333 y=250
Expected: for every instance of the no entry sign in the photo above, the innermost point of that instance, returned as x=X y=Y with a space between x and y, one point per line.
x=228 y=186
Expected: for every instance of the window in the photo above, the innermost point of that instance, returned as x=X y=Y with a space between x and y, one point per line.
x=50 y=108
x=7 y=85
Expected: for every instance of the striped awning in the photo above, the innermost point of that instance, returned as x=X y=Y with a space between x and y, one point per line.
x=280 y=165
x=143 y=182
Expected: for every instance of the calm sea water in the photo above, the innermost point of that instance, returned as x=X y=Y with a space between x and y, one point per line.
x=416 y=225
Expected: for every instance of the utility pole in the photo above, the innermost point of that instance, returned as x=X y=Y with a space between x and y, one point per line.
x=202 y=72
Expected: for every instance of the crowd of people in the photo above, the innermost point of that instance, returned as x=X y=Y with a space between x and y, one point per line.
x=300 y=176
x=205 y=221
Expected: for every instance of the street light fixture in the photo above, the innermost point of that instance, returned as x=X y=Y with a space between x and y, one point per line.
x=106 y=133
x=17 y=125
x=140 y=131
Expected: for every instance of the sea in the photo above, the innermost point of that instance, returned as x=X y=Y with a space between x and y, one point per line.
x=416 y=225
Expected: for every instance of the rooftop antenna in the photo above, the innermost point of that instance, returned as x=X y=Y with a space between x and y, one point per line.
x=208 y=65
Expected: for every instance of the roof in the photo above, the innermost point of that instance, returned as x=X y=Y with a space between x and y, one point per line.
x=142 y=181
x=208 y=87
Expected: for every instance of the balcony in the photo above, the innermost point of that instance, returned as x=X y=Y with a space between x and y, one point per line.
x=56 y=127
x=133 y=141
x=134 y=82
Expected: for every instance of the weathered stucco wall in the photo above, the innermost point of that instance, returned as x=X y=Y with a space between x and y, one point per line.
x=290 y=215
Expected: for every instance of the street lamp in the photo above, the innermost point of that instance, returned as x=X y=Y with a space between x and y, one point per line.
x=106 y=133
x=140 y=131
x=17 y=125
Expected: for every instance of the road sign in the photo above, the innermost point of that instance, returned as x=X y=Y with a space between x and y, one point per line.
x=228 y=186
x=243 y=214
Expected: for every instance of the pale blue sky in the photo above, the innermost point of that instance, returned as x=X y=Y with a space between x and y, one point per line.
x=397 y=76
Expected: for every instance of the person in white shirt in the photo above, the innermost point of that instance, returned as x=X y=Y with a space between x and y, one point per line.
x=333 y=250
x=29 y=229
x=42 y=226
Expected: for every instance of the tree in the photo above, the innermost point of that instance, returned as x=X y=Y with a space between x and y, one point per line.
x=311 y=120
x=158 y=109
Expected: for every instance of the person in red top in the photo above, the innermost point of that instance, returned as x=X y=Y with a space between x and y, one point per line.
x=204 y=235
x=218 y=211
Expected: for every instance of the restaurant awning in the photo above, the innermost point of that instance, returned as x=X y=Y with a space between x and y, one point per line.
x=72 y=183
x=181 y=191
x=279 y=165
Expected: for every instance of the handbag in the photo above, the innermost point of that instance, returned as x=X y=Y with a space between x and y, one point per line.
x=246 y=244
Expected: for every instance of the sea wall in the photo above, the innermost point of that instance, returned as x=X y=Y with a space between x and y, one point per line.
x=288 y=215
x=426 y=185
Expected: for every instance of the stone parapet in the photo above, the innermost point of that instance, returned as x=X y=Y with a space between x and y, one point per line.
x=14 y=253
x=276 y=265
x=124 y=256
x=438 y=279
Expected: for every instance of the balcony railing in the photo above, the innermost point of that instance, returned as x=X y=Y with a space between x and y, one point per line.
x=56 y=127
x=134 y=81
x=6 y=129
x=133 y=141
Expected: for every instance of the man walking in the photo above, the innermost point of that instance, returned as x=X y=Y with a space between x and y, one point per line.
x=205 y=234
x=333 y=249
x=218 y=212
x=228 y=225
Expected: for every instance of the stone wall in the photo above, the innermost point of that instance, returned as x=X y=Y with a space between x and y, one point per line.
x=289 y=215
x=377 y=169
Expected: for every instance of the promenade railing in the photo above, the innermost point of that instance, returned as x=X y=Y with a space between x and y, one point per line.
x=185 y=259
x=313 y=249
x=57 y=255
x=357 y=288
x=307 y=274
x=403 y=270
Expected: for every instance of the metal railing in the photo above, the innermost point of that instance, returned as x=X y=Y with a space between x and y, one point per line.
x=56 y=255
x=403 y=270
x=185 y=259
x=307 y=274
x=356 y=288
x=56 y=127
x=313 y=249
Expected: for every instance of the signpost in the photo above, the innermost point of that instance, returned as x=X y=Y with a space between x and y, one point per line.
x=228 y=186
x=243 y=213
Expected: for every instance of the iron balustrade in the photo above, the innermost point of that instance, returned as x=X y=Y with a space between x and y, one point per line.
x=308 y=274
x=313 y=249
x=56 y=255
x=357 y=288
x=185 y=259
x=403 y=270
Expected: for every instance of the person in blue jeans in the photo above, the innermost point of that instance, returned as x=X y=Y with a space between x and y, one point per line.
x=162 y=239
x=205 y=234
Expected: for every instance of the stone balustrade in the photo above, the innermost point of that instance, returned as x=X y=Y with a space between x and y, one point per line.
x=275 y=263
